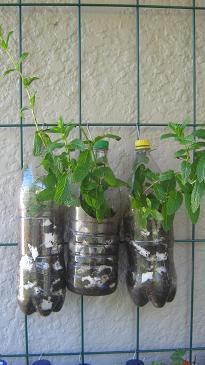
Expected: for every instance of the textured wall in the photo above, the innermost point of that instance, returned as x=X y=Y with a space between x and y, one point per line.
x=108 y=96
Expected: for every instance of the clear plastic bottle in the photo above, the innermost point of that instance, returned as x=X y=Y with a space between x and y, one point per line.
x=93 y=247
x=42 y=283
x=151 y=274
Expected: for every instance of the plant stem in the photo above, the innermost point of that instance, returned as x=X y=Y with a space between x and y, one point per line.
x=16 y=66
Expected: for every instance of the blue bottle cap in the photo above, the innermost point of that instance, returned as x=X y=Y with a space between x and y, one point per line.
x=2 y=362
x=41 y=362
x=134 y=362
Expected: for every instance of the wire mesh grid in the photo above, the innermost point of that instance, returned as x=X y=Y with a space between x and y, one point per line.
x=78 y=5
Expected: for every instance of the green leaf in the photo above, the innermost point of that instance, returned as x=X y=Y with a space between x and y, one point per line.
x=196 y=195
x=63 y=194
x=186 y=170
x=180 y=153
x=167 y=219
x=76 y=144
x=48 y=162
x=167 y=135
x=192 y=215
x=45 y=137
x=87 y=185
x=157 y=215
x=177 y=357
x=32 y=100
x=200 y=169
x=150 y=175
x=49 y=180
x=53 y=130
x=60 y=124
x=83 y=165
x=107 y=174
x=159 y=192
x=37 y=144
x=68 y=129
x=41 y=140
x=28 y=80
x=178 y=128
x=23 y=57
x=148 y=201
x=8 y=37
x=167 y=175
x=200 y=133
x=174 y=202
x=197 y=145
x=25 y=108
x=7 y=72
x=3 y=44
x=61 y=187
x=46 y=194
x=54 y=146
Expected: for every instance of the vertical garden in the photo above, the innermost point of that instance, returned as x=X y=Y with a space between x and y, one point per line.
x=121 y=67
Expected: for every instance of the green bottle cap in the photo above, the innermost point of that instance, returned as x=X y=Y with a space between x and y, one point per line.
x=101 y=145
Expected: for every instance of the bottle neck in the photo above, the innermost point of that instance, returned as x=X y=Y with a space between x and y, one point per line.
x=101 y=154
x=143 y=151
x=142 y=156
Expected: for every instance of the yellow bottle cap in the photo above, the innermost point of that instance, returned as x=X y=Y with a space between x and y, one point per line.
x=142 y=143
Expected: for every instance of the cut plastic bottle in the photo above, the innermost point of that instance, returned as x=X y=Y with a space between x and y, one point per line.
x=42 y=283
x=93 y=247
x=151 y=274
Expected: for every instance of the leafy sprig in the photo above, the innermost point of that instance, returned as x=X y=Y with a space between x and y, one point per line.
x=71 y=181
x=158 y=196
x=16 y=66
x=177 y=358
x=154 y=195
x=191 y=177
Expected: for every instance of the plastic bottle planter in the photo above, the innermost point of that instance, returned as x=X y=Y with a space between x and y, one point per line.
x=93 y=254
x=134 y=362
x=42 y=362
x=42 y=284
x=151 y=275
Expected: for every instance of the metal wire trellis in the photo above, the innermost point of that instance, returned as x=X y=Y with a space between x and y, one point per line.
x=78 y=5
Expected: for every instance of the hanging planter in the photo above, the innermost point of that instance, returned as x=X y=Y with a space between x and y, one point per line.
x=42 y=284
x=93 y=254
x=42 y=362
x=151 y=273
x=94 y=242
x=134 y=362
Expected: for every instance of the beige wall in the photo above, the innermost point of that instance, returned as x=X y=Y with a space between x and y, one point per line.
x=109 y=95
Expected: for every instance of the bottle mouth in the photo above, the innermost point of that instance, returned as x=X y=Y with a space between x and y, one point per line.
x=142 y=144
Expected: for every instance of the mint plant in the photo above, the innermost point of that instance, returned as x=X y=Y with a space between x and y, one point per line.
x=154 y=195
x=68 y=180
x=177 y=358
x=158 y=196
x=191 y=177
x=82 y=180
